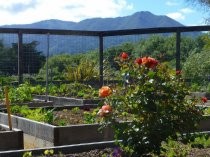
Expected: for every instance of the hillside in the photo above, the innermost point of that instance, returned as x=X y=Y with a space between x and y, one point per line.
x=143 y=19
x=75 y=44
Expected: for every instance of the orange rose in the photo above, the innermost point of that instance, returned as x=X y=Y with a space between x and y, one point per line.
x=104 y=91
x=124 y=55
x=105 y=110
x=149 y=62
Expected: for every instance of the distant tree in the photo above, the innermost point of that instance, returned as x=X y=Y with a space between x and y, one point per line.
x=32 y=60
x=8 y=61
x=205 y=3
x=202 y=3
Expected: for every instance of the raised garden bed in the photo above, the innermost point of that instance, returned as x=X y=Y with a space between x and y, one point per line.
x=66 y=101
x=71 y=150
x=32 y=104
x=50 y=135
x=200 y=94
x=10 y=140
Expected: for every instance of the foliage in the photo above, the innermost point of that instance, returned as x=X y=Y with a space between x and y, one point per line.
x=200 y=72
x=38 y=114
x=205 y=3
x=32 y=60
x=155 y=99
x=27 y=154
x=57 y=65
x=77 y=90
x=181 y=147
x=162 y=47
x=20 y=94
x=90 y=117
x=172 y=148
x=85 y=71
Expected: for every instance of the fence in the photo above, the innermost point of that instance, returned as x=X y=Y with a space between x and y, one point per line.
x=35 y=41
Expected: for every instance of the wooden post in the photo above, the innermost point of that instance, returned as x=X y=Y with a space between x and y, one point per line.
x=8 y=107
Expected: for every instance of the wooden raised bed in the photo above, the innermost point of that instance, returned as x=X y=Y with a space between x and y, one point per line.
x=66 y=101
x=50 y=135
x=10 y=140
x=32 y=104
x=67 y=149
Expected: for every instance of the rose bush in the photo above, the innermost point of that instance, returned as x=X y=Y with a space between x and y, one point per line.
x=154 y=103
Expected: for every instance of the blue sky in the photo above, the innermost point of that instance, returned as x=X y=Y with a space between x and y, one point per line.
x=29 y=11
x=179 y=10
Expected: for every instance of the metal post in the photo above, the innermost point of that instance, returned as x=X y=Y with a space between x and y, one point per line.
x=47 y=71
x=101 y=58
x=20 y=57
x=178 y=59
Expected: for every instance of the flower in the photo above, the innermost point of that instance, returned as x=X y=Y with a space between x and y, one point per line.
x=178 y=72
x=117 y=152
x=204 y=99
x=138 y=61
x=105 y=110
x=149 y=62
x=104 y=91
x=124 y=55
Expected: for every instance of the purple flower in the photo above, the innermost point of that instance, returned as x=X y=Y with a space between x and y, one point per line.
x=117 y=152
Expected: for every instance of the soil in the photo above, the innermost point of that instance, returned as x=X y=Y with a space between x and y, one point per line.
x=93 y=153
x=199 y=152
x=195 y=152
x=71 y=117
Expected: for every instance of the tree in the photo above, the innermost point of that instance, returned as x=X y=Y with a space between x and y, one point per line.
x=205 y=3
x=202 y=3
x=32 y=59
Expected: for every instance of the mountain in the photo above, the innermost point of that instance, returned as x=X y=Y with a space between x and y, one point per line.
x=76 y=44
x=143 y=19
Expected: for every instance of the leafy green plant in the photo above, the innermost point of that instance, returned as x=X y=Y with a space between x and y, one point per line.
x=85 y=71
x=207 y=111
x=201 y=141
x=172 y=148
x=62 y=122
x=75 y=109
x=155 y=97
x=38 y=89
x=38 y=114
x=20 y=94
x=27 y=154
x=90 y=117
x=49 y=152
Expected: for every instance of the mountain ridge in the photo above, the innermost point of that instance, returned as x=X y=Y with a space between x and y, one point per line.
x=142 y=19
x=80 y=44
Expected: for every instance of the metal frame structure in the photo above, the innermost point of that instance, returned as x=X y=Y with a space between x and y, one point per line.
x=100 y=34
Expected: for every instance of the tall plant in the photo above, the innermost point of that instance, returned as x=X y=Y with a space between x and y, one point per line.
x=152 y=97
x=85 y=71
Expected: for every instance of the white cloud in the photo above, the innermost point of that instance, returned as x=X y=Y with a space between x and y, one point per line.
x=176 y=16
x=186 y=10
x=171 y=3
x=180 y=14
x=28 y=11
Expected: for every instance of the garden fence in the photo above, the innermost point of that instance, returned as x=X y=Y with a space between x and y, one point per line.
x=24 y=52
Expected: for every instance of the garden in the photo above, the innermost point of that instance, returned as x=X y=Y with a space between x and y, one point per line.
x=143 y=108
